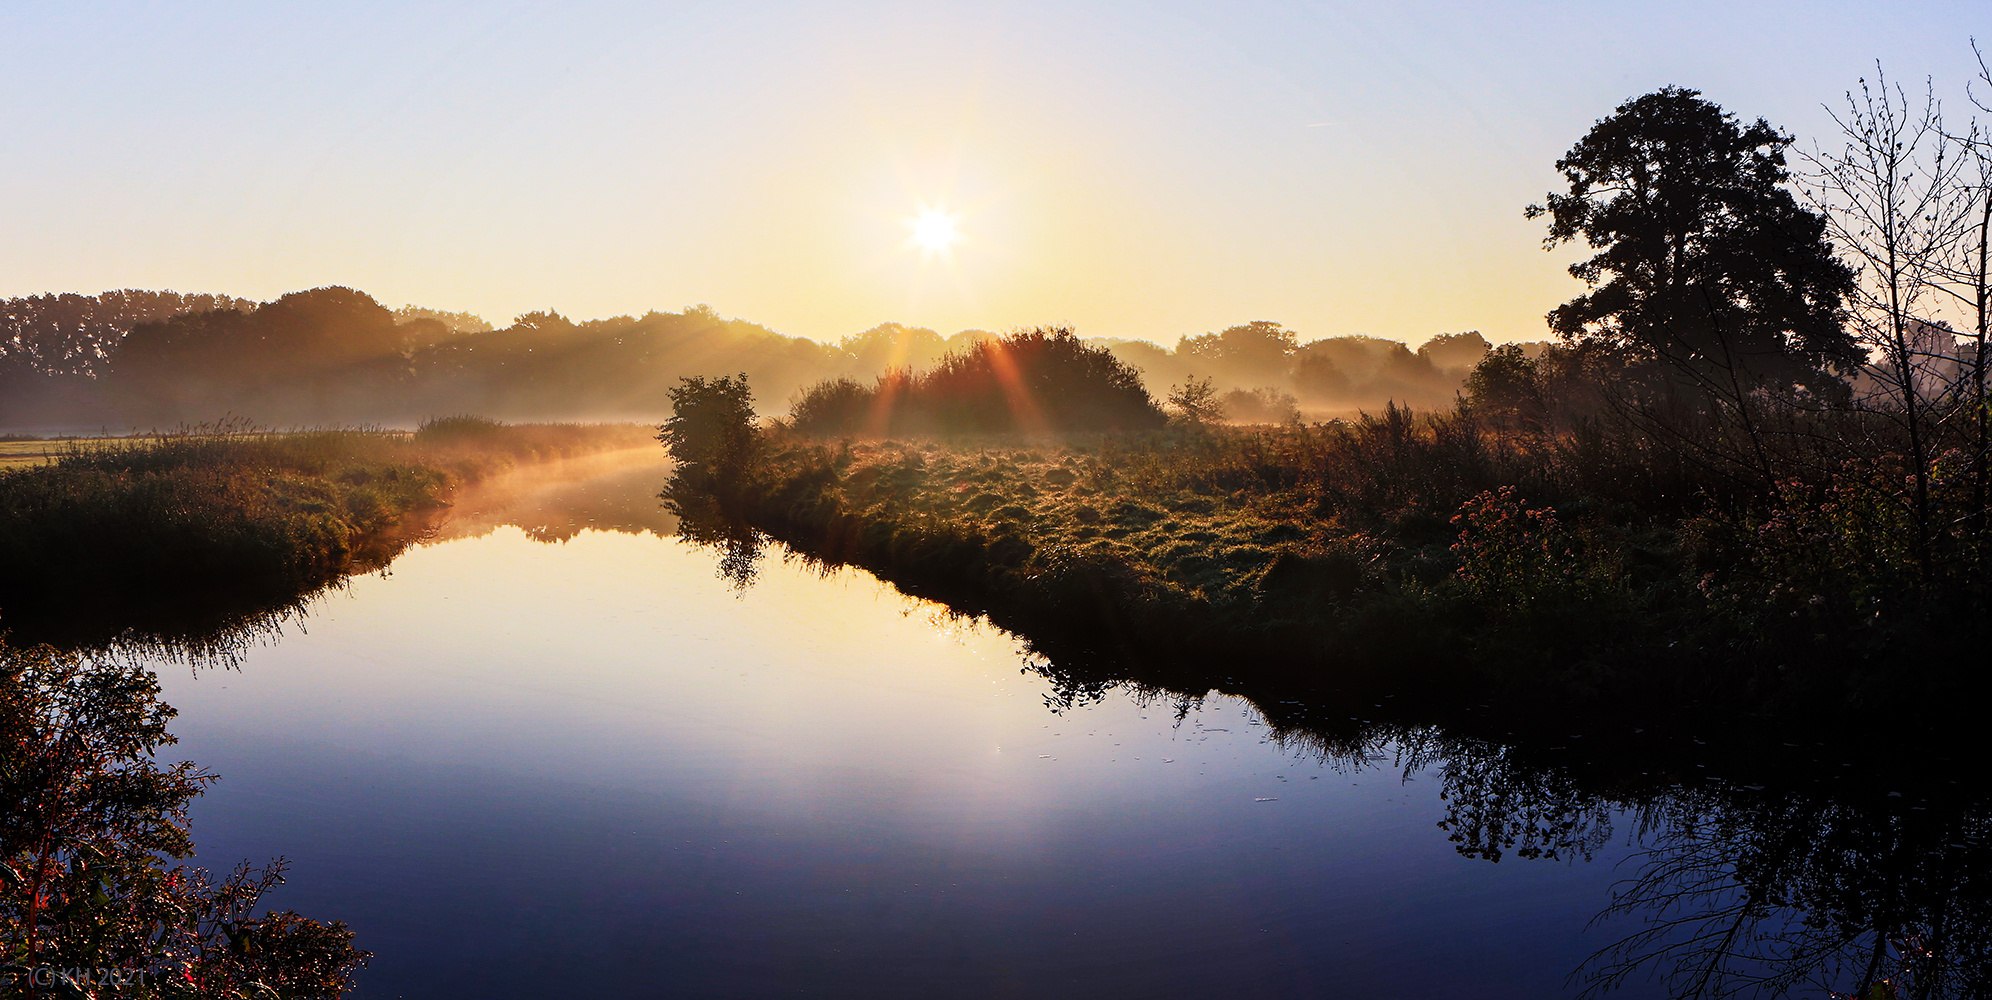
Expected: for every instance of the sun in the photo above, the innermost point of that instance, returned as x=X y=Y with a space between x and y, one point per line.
x=933 y=230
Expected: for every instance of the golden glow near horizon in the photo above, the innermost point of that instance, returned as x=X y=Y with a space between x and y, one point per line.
x=1125 y=170
x=933 y=230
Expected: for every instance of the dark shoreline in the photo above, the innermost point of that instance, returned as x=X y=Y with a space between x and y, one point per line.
x=1295 y=634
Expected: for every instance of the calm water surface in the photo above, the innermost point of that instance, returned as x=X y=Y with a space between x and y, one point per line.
x=539 y=759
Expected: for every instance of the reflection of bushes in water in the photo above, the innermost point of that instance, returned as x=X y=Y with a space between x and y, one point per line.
x=1867 y=881
x=1823 y=881
x=703 y=522
x=92 y=819
x=202 y=627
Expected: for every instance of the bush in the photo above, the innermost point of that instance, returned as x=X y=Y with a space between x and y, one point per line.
x=1037 y=381
x=1264 y=405
x=833 y=405
x=457 y=428
x=1195 y=401
x=711 y=432
x=90 y=821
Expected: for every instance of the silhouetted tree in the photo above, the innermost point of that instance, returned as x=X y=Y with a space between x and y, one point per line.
x=1255 y=352
x=1898 y=202
x=1707 y=262
x=1196 y=400
x=1504 y=387
x=711 y=432
x=1454 y=351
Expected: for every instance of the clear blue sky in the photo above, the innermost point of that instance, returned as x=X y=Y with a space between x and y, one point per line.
x=1133 y=169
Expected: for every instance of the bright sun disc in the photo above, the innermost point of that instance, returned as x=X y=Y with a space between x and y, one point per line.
x=934 y=230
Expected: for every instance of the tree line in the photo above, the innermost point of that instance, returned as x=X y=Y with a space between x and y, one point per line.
x=335 y=354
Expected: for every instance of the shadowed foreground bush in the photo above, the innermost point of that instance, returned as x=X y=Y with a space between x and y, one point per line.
x=91 y=823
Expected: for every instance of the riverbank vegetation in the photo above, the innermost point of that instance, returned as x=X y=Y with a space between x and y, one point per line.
x=231 y=510
x=1753 y=476
x=93 y=825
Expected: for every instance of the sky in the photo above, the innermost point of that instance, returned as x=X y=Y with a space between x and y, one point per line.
x=1129 y=169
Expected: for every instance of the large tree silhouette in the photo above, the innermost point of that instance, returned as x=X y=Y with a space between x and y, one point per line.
x=1707 y=262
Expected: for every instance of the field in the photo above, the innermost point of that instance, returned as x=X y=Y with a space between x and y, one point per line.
x=20 y=454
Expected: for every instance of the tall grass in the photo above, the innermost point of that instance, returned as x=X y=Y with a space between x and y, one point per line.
x=228 y=508
x=1578 y=566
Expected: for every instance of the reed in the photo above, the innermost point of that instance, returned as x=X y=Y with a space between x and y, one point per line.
x=1568 y=569
x=232 y=507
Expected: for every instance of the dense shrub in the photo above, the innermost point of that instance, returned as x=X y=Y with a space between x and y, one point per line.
x=838 y=405
x=1264 y=405
x=1037 y=381
x=711 y=432
x=91 y=819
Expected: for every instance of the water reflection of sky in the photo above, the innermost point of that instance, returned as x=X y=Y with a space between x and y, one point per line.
x=521 y=768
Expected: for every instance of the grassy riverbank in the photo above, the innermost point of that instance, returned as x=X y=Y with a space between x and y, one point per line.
x=126 y=520
x=1423 y=556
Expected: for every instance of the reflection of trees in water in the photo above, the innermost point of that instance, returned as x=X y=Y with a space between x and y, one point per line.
x=92 y=821
x=1818 y=883
x=1750 y=892
x=1494 y=807
x=703 y=522
x=1743 y=890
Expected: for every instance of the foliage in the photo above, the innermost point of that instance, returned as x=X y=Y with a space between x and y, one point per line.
x=1263 y=405
x=1259 y=351
x=75 y=334
x=839 y=404
x=458 y=428
x=90 y=819
x=1504 y=386
x=1521 y=560
x=1035 y=381
x=333 y=354
x=1196 y=401
x=88 y=812
x=297 y=337
x=1454 y=351
x=711 y=432
x=1707 y=263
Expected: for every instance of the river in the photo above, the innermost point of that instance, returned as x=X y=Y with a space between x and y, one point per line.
x=554 y=752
